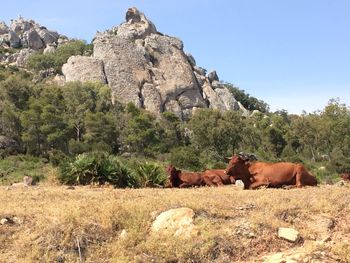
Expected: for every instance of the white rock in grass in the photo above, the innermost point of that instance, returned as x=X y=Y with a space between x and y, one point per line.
x=4 y=221
x=289 y=234
x=239 y=184
x=177 y=222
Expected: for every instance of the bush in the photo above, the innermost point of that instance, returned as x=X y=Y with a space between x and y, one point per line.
x=56 y=59
x=96 y=167
x=56 y=157
x=186 y=157
x=13 y=168
x=76 y=147
x=150 y=175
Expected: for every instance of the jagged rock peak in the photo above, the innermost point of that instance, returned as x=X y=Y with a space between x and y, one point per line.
x=136 y=26
x=150 y=69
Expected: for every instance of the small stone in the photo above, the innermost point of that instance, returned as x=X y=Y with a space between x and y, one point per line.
x=251 y=235
x=28 y=180
x=16 y=220
x=289 y=234
x=123 y=234
x=4 y=221
x=70 y=188
x=239 y=184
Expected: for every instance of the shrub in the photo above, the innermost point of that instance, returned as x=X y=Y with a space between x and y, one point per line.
x=56 y=59
x=96 y=167
x=13 y=168
x=186 y=157
x=76 y=147
x=56 y=157
x=150 y=175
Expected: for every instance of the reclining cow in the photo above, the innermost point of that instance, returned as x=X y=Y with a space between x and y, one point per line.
x=183 y=179
x=177 y=178
x=255 y=174
x=217 y=178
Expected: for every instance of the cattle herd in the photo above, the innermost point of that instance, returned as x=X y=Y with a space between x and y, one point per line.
x=253 y=173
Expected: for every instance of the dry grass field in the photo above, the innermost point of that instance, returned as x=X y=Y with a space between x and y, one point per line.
x=57 y=224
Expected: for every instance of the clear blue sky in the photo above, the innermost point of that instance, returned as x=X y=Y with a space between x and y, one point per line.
x=293 y=54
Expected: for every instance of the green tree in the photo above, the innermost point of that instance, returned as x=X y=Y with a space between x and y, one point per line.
x=142 y=134
x=101 y=128
x=80 y=99
x=215 y=131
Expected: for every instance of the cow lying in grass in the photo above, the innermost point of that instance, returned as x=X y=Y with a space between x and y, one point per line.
x=217 y=178
x=255 y=174
x=177 y=178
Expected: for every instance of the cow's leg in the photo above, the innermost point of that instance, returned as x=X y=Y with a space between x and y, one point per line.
x=298 y=177
x=183 y=185
x=208 y=181
x=217 y=180
x=257 y=184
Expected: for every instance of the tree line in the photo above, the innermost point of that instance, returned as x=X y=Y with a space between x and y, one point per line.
x=58 y=122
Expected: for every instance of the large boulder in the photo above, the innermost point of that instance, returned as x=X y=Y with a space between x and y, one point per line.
x=13 y=39
x=227 y=98
x=125 y=66
x=215 y=102
x=47 y=36
x=32 y=39
x=172 y=72
x=80 y=68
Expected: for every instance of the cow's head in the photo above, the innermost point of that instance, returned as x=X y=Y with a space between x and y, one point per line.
x=170 y=169
x=236 y=166
x=345 y=176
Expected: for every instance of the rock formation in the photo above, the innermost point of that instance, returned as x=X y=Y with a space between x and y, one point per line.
x=29 y=36
x=149 y=69
x=27 y=33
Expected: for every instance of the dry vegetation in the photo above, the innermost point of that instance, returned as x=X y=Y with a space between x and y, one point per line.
x=54 y=223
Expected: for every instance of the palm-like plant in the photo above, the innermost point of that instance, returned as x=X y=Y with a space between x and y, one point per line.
x=150 y=175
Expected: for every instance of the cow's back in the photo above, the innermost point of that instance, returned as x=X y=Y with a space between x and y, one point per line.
x=273 y=173
x=192 y=178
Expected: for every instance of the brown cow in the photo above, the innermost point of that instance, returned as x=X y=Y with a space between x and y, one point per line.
x=180 y=179
x=345 y=176
x=255 y=174
x=217 y=178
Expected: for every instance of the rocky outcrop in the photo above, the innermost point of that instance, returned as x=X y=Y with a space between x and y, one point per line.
x=28 y=34
x=84 y=69
x=151 y=70
x=32 y=40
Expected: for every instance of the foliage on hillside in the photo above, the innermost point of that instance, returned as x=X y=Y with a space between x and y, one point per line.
x=56 y=59
x=53 y=122
x=249 y=102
